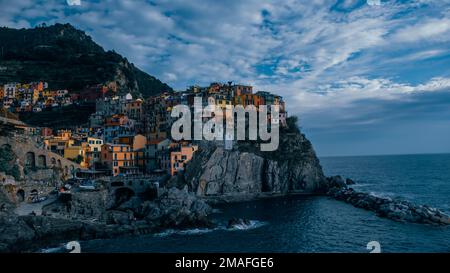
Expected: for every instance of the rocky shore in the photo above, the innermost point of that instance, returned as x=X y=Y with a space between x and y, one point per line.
x=398 y=210
x=64 y=221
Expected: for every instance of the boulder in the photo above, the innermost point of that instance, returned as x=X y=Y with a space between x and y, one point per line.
x=336 y=181
x=349 y=181
x=120 y=217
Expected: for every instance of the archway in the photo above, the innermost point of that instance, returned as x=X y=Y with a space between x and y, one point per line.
x=30 y=160
x=6 y=147
x=59 y=165
x=42 y=161
x=20 y=195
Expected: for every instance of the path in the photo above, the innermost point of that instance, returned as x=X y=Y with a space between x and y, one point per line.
x=25 y=208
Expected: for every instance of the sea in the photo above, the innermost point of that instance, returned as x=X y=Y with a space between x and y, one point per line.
x=299 y=224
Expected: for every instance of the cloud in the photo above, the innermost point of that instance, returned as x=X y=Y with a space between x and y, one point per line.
x=323 y=56
x=428 y=31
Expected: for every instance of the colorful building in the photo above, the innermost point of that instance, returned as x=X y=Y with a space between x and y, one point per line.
x=10 y=90
x=73 y=152
x=179 y=158
x=92 y=151
x=157 y=154
x=133 y=109
x=241 y=90
x=118 y=158
x=248 y=99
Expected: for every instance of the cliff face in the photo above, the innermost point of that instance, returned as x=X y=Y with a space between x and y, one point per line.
x=246 y=172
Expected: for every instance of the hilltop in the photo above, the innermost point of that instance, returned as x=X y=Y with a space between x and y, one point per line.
x=68 y=58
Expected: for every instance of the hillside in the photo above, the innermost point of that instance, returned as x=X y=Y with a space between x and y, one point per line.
x=67 y=58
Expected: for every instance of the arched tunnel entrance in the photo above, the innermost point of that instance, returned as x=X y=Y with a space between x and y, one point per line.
x=30 y=160
x=42 y=161
x=20 y=195
x=53 y=162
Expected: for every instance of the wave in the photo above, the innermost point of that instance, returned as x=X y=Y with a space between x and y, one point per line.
x=197 y=231
x=58 y=249
x=194 y=231
x=253 y=224
x=382 y=194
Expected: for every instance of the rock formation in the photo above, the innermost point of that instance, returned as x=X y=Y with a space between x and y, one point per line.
x=398 y=210
x=73 y=219
x=245 y=172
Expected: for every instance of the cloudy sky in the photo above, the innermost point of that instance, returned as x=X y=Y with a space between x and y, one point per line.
x=364 y=78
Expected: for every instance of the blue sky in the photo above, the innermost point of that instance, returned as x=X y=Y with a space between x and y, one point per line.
x=364 y=79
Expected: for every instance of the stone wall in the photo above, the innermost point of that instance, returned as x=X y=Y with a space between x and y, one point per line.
x=30 y=155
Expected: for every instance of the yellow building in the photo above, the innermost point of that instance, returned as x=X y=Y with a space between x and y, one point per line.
x=72 y=152
x=222 y=101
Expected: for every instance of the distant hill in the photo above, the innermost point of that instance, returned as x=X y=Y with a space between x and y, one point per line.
x=68 y=58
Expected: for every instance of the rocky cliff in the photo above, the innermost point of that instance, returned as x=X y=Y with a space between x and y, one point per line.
x=245 y=172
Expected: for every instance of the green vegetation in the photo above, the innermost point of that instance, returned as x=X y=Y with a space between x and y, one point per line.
x=60 y=117
x=78 y=159
x=7 y=162
x=67 y=58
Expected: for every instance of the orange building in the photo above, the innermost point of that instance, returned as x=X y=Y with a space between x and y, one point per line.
x=179 y=159
x=133 y=109
x=242 y=89
x=116 y=120
x=118 y=157
x=137 y=144
x=248 y=99
x=65 y=134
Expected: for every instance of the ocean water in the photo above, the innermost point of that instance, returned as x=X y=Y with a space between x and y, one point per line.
x=319 y=224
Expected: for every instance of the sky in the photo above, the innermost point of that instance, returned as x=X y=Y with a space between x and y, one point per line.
x=363 y=76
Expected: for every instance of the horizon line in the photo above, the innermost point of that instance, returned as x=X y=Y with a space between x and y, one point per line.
x=373 y=155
